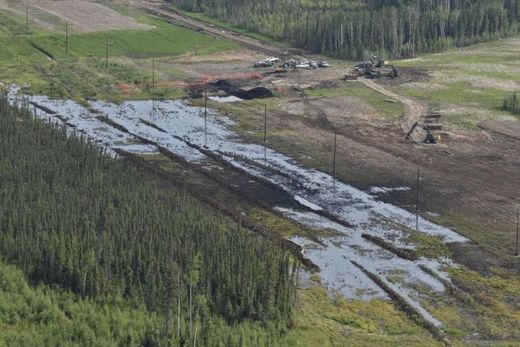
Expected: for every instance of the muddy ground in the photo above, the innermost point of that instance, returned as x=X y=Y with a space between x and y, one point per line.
x=470 y=180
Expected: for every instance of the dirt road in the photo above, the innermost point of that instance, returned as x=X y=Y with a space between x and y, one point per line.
x=158 y=9
x=471 y=178
x=414 y=109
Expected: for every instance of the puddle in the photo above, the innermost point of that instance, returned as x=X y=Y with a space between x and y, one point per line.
x=181 y=129
x=225 y=99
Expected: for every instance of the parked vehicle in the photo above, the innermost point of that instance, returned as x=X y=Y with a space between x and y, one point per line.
x=263 y=63
x=313 y=64
x=273 y=59
x=323 y=64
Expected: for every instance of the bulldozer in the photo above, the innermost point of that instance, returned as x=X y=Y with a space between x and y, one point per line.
x=376 y=67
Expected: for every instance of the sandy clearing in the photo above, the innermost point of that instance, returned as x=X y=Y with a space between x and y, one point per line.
x=84 y=16
x=414 y=109
x=227 y=56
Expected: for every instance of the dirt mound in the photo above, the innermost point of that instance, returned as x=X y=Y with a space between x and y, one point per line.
x=225 y=86
x=255 y=93
x=407 y=75
x=230 y=88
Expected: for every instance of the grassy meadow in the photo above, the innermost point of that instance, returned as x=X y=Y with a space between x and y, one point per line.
x=39 y=59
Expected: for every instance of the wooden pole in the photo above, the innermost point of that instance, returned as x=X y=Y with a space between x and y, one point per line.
x=67 y=37
x=106 y=51
x=205 y=113
x=153 y=72
x=265 y=134
x=417 y=201
x=334 y=158
x=517 y=230
x=27 y=19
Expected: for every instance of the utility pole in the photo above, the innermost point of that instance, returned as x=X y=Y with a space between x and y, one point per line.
x=27 y=19
x=334 y=158
x=417 y=201
x=153 y=72
x=106 y=51
x=205 y=113
x=265 y=134
x=517 y=230
x=67 y=37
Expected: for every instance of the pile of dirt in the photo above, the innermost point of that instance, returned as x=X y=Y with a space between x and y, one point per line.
x=225 y=86
x=407 y=75
x=255 y=93
x=228 y=88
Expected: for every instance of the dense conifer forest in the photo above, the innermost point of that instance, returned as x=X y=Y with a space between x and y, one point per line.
x=75 y=218
x=356 y=29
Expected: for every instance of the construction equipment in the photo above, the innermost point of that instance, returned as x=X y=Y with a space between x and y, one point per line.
x=323 y=64
x=430 y=139
x=429 y=136
x=378 y=61
x=377 y=67
x=263 y=63
x=353 y=74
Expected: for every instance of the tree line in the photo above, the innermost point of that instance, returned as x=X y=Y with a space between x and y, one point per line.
x=74 y=217
x=354 y=29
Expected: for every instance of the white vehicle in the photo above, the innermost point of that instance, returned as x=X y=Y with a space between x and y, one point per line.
x=313 y=64
x=303 y=66
x=273 y=59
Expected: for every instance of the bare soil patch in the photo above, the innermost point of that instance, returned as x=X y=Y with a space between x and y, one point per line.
x=408 y=75
x=342 y=110
x=87 y=16
x=505 y=127
x=220 y=57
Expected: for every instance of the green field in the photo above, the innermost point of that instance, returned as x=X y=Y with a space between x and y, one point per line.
x=39 y=58
x=468 y=85
x=164 y=40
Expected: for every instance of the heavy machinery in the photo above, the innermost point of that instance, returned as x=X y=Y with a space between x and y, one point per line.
x=377 y=67
x=430 y=139
x=378 y=61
